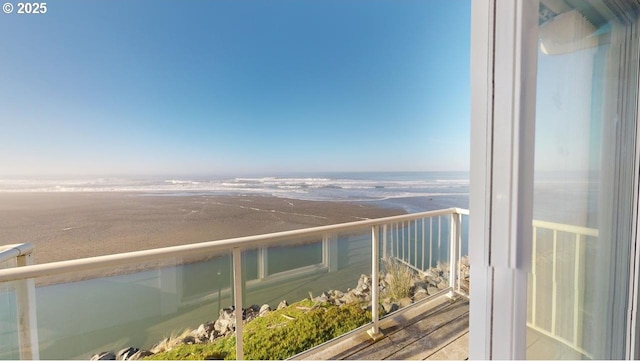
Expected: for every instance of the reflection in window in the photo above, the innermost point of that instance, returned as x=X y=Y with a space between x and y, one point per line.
x=584 y=176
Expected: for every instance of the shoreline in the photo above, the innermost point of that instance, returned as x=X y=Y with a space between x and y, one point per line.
x=65 y=226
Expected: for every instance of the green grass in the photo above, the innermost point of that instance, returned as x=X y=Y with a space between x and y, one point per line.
x=279 y=334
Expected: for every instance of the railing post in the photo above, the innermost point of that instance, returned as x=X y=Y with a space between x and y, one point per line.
x=423 y=247
x=330 y=252
x=459 y=246
x=453 y=252
x=415 y=243
x=27 y=322
x=263 y=263
x=430 y=243
x=554 y=289
x=534 y=286
x=237 y=287
x=374 y=332
x=384 y=241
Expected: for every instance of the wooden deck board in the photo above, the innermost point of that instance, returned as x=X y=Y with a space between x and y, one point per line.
x=418 y=332
x=456 y=350
x=429 y=344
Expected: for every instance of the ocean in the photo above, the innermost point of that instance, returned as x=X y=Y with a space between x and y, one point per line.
x=412 y=191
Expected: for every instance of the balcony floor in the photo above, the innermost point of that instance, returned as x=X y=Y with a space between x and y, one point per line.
x=437 y=329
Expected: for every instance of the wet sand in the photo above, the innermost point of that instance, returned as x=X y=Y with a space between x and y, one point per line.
x=67 y=226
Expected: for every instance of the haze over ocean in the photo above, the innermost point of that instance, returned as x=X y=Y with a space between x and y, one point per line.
x=411 y=191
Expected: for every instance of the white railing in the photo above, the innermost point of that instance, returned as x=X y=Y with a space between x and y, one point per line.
x=425 y=243
x=20 y=255
x=29 y=273
x=577 y=236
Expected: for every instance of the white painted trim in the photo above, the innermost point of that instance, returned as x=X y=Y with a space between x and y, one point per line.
x=480 y=178
x=633 y=326
x=502 y=144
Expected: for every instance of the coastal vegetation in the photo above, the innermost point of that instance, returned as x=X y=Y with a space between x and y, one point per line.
x=279 y=334
x=398 y=279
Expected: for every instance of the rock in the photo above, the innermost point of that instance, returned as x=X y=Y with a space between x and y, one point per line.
x=364 y=283
x=140 y=355
x=418 y=289
x=420 y=295
x=224 y=325
x=404 y=302
x=104 y=356
x=227 y=314
x=215 y=334
x=420 y=284
x=367 y=298
x=189 y=340
x=283 y=304
x=431 y=273
x=442 y=285
x=126 y=353
x=432 y=290
x=250 y=312
x=390 y=306
x=203 y=333
x=323 y=298
x=226 y=322
x=351 y=297
x=264 y=310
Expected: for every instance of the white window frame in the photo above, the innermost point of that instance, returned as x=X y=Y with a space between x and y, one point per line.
x=503 y=78
x=504 y=42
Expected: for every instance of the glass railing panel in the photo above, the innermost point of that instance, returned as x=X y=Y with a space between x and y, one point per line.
x=9 y=341
x=414 y=260
x=294 y=255
x=326 y=283
x=252 y=263
x=422 y=244
x=10 y=263
x=149 y=306
x=463 y=256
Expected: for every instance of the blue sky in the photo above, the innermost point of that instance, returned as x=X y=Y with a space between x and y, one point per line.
x=193 y=87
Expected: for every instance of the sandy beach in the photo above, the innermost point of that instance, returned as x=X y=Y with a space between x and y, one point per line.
x=67 y=226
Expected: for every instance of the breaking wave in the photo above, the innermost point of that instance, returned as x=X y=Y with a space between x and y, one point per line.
x=343 y=187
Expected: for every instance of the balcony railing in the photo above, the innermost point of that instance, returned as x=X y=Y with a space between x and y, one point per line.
x=239 y=271
x=108 y=301
x=20 y=255
x=557 y=285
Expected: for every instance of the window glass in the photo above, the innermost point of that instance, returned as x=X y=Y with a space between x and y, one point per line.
x=584 y=179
